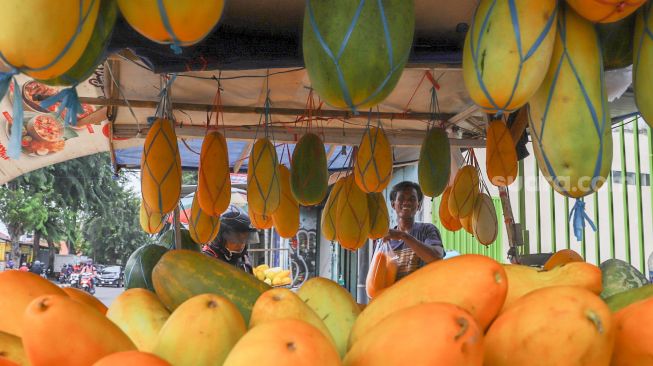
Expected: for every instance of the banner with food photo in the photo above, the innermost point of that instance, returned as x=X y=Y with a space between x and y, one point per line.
x=45 y=138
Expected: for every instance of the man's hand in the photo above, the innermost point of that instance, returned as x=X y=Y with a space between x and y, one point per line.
x=394 y=235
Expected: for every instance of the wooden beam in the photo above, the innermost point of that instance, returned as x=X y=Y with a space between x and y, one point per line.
x=288 y=134
x=93 y=118
x=331 y=113
x=466 y=113
x=238 y=163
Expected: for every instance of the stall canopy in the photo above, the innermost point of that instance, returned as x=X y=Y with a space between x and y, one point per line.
x=253 y=56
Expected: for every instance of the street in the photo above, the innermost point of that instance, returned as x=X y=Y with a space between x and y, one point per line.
x=108 y=294
x=104 y=294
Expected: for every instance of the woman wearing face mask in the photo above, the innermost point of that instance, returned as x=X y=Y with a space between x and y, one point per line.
x=231 y=243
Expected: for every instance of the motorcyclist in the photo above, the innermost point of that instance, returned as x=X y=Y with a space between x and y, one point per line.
x=37 y=268
x=231 y=243
x=89 y=268
x=23 y=267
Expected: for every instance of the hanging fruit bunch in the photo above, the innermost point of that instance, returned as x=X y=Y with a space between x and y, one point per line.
x=161 y=168
x=355 y=51
x=309 y=175
x=263 y=188
x=286 y=217
x=373 y=165
x=175 y=22
x=508 y=45
x=501 y=156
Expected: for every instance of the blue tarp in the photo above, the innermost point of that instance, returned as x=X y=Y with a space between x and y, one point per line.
x=190 y=150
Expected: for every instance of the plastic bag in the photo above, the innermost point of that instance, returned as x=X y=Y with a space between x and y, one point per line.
x=383 y=270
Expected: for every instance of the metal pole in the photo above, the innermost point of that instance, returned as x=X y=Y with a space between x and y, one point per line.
x=538 y=221
x=624 y=186
x=567 y=234
x=552 y=206
x=611 y=214
x=177 y=228
x=640 y=210
x=597 y=235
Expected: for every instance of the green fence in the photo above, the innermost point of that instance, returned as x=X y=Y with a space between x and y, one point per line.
x=622 y=209
x=464 y=243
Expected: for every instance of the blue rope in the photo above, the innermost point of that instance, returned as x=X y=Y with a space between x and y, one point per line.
x=176 y=44
x=7 y=77
x=578 y=217
x=69 y=102
x=522 y=57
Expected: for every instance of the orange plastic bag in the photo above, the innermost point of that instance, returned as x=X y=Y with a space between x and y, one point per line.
x=383 y=270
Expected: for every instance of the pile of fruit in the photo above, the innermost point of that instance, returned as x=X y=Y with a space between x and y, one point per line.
x=468 y=310
x=275 y=276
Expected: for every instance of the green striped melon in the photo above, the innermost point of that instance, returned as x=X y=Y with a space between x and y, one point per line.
x=619 y=276
x=309 y=177
x=182 y=274
x=569 y=119
x=138 y=270
x=620 y=300
x=434 y=166
x=642 y=61
x=96 y=50
x=506 y=50
x=373 y=56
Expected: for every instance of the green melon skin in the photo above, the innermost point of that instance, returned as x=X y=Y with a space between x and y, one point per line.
x=434 y=166
x=619 y=276
x=617 y=42
x=167 y=240
x=364 y=62
x=138 y=270
x=95 y=51
x=182 y=274
x=623 y=299
x=309 y=177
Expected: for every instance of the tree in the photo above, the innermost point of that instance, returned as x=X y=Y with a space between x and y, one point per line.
x=21 y=211
x=80 y=201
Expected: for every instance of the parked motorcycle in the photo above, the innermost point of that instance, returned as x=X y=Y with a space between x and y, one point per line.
x=74 y=280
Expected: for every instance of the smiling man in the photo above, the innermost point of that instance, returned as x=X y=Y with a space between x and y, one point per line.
x=414 y=243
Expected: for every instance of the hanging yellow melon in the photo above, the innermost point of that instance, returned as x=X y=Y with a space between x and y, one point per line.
x=642 y=59
x=466 y=223
x=353 y=216
x=46 y=38
x=449 y=222
x=373 y=165
x=569 y=117
x=506 y=51
x=151 y=222
x=464 y=192
x=202 y=227
x=260 y=221
x=161 y=168
x=180 y=22
x=605 y=11
x=286 y=217
x=379 y=217
x=330 y=211
x=213 y=179
x=501 y=162
x=485 y=224
x=263 y=189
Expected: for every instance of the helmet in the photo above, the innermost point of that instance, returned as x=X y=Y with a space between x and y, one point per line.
x=37 y=262
x=23 y=264
x=236 y=220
